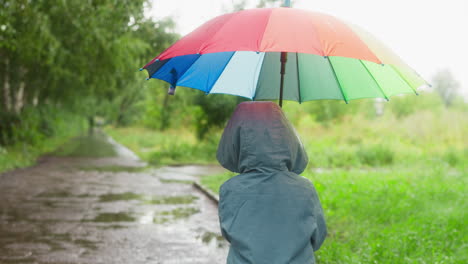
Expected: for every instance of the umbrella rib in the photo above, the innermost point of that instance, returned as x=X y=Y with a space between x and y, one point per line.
x=373 y=78
x=258 y=78
x=205 y=43
x=404 y=79
x=183 y=73
x=336 y=79
x=224 y=68
x=298 y=79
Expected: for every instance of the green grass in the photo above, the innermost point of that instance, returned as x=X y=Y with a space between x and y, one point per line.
x=24 y=155
x=170 y=147
x=391 y=215
x=34 y=133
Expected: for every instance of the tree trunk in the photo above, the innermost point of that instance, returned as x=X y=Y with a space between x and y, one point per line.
x=90 y=125
x=19 y=98
x=6 y=88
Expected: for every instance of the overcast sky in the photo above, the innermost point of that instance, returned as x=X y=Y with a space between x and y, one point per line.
x=429 y=35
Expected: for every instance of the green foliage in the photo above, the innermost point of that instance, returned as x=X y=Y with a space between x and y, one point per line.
x=214 y=111
x=167 y=147
x=405 y=105
x=375 y=155
x=35 y=124
x=34 y=133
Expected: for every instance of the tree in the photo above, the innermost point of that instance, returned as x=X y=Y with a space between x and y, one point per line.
x=446 y=86
x=73 y=55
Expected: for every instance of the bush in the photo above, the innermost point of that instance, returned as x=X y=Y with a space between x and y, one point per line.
x=34 y=132
x=375 y=155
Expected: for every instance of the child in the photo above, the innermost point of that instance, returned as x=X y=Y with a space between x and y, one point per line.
x=268 y=213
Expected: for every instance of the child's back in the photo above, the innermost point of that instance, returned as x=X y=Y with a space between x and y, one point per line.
x=268 y=213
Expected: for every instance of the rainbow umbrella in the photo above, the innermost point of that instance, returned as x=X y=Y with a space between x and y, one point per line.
x=255 y=53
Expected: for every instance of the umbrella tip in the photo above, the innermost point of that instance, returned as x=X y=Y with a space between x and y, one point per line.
x=147 y=79
x=141 y=69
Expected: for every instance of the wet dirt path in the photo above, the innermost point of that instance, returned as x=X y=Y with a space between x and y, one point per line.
x=107 y=210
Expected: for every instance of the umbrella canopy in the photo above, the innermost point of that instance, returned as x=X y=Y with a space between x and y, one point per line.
x=323 y=57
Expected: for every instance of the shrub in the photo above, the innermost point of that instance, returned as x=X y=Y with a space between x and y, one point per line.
x=375 y=155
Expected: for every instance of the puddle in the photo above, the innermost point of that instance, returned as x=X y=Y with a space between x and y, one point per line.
x=85 y=244
x=176 y=214
x=40 y=241
x=60 y=194
x=147 y=218
x=111 y=197
x=183 y=199
x=213 y=238
x=54 y=194
x=113 y=227
x=112 y=217
x=176 y=181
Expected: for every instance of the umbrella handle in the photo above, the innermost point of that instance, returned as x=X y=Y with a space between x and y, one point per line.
x=171 y=90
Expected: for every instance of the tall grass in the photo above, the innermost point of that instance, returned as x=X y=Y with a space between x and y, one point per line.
x=34 y=133
x=396 y=215
x=402 y=215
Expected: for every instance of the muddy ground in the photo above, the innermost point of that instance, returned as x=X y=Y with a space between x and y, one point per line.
x=107 y=210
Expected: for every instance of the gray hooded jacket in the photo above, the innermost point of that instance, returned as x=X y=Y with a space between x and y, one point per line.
x=268 y=213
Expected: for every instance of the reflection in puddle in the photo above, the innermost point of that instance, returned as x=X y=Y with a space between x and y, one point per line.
x=175 y=181
x=56 y=194
x=113 y=217
x=146 y=218
x=114 y=168
x=214 y=239
x=176 y=214
x=113 y=227
x=183 y=199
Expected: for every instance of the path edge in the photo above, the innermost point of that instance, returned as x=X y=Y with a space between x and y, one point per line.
x=210 y=194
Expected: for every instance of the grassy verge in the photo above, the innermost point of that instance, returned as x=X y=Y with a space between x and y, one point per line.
x=24 y=155
x=394 y=215
x=170 y=147
x=38 y=136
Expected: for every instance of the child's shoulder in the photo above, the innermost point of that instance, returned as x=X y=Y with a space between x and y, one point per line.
x=226 y=186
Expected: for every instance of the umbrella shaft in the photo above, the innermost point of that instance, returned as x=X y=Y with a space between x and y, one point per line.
x=284 y=58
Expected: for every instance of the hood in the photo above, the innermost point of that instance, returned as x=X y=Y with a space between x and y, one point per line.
x=259 y=137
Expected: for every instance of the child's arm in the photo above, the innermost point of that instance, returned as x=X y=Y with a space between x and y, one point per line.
x=320 y=232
